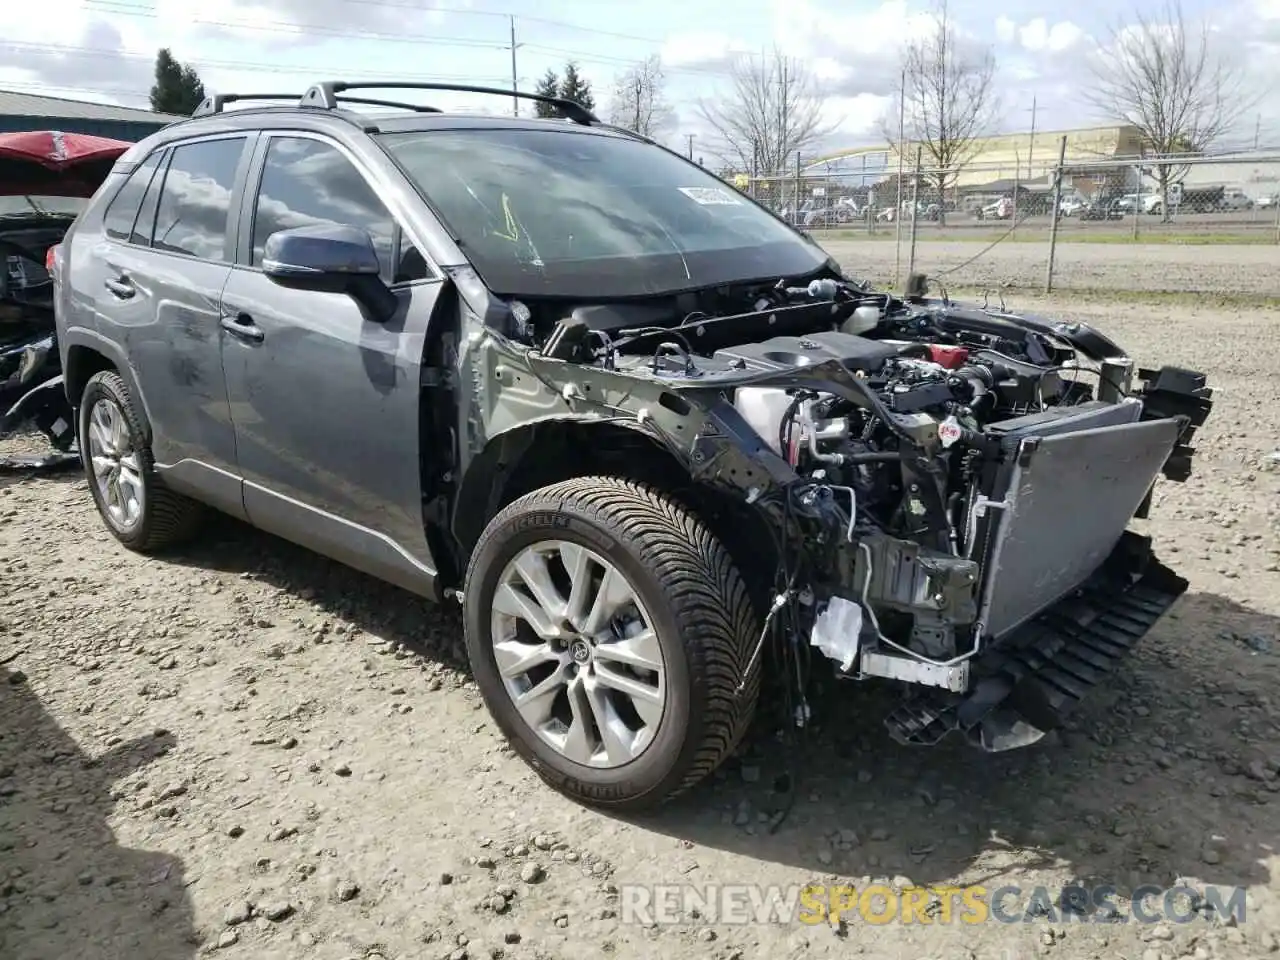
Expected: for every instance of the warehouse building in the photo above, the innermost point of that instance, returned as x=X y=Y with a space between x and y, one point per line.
x=1027 y=157
x=28 y=111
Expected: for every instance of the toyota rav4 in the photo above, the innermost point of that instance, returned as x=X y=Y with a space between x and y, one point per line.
x=655 y=442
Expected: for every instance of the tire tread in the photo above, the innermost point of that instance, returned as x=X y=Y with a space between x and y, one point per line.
x=701 y=583
x=171 y=517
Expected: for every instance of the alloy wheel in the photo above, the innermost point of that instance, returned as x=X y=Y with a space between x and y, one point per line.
x=116 y=466
x=578 y=654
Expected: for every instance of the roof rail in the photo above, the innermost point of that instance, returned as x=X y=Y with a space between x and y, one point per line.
x=369 y=101
x=325 y=96
x=214 y=103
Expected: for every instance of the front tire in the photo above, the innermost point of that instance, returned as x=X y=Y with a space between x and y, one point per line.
x=608 y=632
x=139 y=510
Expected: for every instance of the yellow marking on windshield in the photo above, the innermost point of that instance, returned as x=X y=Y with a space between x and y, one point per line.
x=512 y=228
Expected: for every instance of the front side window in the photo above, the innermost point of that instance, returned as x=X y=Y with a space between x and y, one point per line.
x=123 y=208
x=585 y=214
x=195 y=201
x=308 y=182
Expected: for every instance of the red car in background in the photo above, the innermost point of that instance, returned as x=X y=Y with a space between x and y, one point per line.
x=46 y=178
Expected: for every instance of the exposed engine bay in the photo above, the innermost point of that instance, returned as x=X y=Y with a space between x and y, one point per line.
x=943 y=476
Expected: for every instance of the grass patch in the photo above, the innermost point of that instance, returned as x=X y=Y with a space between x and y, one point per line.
x=1260 y=237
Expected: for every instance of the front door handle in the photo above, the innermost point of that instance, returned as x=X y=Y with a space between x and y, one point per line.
x=242 y=327
x=121 y=286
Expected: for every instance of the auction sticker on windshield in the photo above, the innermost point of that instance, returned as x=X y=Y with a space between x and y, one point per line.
x=709 y=195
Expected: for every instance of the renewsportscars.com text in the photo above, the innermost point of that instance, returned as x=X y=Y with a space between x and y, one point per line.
x=880 y=904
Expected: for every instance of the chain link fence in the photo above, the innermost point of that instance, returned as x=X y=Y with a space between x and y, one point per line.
x=1165 y=224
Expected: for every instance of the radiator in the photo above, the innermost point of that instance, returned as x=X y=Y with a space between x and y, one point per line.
x=1060 y=504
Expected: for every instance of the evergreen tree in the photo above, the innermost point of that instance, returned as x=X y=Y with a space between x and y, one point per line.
x=576 y=87
x=548 y=86
x=177 y=88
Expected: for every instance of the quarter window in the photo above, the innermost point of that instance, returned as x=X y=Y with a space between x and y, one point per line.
x=307 y=182
x=123 y=209
x=195 y=202
x=146 y=221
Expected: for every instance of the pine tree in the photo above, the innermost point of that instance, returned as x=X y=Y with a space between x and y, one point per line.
x=548 y=86
x=576 y=87
x=177 y=88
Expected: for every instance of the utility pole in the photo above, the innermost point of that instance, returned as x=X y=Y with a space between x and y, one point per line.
x=690 y=136
x=515 y=83
x=1032 y=147
x=902 y=148
x=1257 y=131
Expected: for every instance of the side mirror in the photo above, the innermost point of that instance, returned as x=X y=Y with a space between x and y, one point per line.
x=333 y=258
x=323 y=251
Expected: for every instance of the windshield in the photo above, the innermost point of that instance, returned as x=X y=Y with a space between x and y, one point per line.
x=580 y=214
x=29 y=204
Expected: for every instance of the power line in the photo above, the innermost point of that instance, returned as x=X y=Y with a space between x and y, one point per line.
x=127 y=9
x=413 y=7
x=119 y=8
x=309 y=70
x=131 y=93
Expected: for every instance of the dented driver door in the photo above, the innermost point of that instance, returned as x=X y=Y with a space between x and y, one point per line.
x=324 y=399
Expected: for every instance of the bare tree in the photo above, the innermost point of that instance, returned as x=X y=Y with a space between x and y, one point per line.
x=946 y=103
x=1161 y=75
x=772 y=110
x=638 y=102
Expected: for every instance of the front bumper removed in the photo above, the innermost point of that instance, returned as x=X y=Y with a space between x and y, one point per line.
x=1035 y=678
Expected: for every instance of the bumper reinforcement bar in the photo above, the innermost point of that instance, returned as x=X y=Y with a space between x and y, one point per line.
x=1038 y=675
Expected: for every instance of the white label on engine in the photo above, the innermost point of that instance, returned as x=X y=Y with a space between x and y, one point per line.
x=949 y=431
x=708 y=196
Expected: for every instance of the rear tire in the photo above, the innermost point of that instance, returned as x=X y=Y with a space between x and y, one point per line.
x=139 y=510
x=640 y=709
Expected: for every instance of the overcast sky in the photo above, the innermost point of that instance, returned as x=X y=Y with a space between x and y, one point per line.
x=104 y=49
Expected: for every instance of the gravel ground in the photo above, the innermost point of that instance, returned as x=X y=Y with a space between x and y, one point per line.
x=244 y=749
x=1190 y=269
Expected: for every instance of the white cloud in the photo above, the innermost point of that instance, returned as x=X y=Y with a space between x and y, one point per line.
x=1037 y=35
x=858 y=116
x=696 y=49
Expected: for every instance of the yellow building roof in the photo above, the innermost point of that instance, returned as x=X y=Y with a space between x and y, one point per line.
x=1024 y=155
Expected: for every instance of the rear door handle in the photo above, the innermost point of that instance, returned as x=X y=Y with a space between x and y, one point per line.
x=121 y=286
x=242 y=327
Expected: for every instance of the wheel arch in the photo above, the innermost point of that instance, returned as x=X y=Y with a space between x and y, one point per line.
x=536 y=455
x=86 y=356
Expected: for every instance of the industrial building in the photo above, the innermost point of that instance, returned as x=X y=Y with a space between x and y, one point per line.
x=1026 y=157
x=28 y=111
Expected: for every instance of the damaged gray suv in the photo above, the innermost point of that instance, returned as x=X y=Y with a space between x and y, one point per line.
x=655 y=442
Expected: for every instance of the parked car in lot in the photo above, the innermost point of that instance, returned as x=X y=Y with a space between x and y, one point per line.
x=1234 y=198
x=1072 y=206
x=1001 y=209
x=1104 y=208
x=655 y=442
x=1149 y=203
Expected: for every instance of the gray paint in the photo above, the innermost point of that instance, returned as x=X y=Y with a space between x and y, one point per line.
x=311 y=432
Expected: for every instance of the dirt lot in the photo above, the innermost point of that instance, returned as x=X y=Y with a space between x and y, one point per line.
x=1237 y=269
x=248 y=750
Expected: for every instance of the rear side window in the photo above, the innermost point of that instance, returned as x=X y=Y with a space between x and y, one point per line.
x=123 y=208
x=307 y=182
x=146 y=220
x=195 y=202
